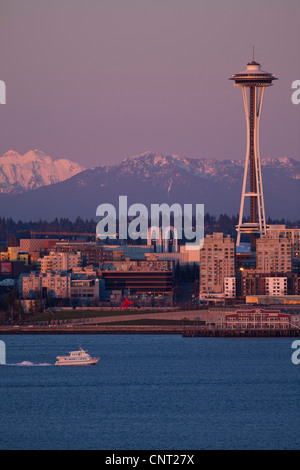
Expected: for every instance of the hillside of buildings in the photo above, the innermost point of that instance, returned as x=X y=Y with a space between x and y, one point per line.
x=42 y=274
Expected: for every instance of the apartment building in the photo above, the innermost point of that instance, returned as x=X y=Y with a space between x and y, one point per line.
x=59 y=262
x=230 y=287
x=273 y=254
x=29 y=285
x=54 y=285
x=91 y=253
x=292 y=234
x=279 y=283
x=276 y=285
x=217 y=263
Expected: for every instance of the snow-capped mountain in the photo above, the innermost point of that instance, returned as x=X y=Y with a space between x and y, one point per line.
x=154 y=178
x=19 y=173
x=230 y=170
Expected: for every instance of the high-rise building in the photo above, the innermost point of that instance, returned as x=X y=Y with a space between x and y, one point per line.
x=273 y=255
x=217 y=263
x=292 y=234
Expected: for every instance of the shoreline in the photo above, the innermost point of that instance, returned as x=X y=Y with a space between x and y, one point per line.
x=185 y=331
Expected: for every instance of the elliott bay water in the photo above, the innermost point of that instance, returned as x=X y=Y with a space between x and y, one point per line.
x=160 y=392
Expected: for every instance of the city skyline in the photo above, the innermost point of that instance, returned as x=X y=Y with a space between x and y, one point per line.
x=148 y=229
x=98 y=83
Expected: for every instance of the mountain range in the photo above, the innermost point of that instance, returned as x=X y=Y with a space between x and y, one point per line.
x=154 y=178
x=34 y=169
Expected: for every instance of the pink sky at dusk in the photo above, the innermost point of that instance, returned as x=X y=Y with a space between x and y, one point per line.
x=97 y=81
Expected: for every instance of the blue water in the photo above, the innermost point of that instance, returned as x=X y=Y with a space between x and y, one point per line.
x=150 y=392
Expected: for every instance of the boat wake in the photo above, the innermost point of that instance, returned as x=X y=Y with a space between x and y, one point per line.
x=28 y=364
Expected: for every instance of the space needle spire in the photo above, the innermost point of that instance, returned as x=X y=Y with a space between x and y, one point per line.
x=256 y=80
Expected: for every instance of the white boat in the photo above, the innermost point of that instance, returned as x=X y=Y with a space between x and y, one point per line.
x=77 y=358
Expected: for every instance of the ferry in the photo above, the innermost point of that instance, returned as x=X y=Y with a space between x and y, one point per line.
x=77 y=358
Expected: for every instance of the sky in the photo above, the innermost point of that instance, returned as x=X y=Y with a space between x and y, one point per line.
x=97 y=81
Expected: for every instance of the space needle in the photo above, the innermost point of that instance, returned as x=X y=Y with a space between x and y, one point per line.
x=256 y=80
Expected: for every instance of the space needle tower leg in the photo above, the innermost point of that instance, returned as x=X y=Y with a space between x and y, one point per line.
x=244 y=90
